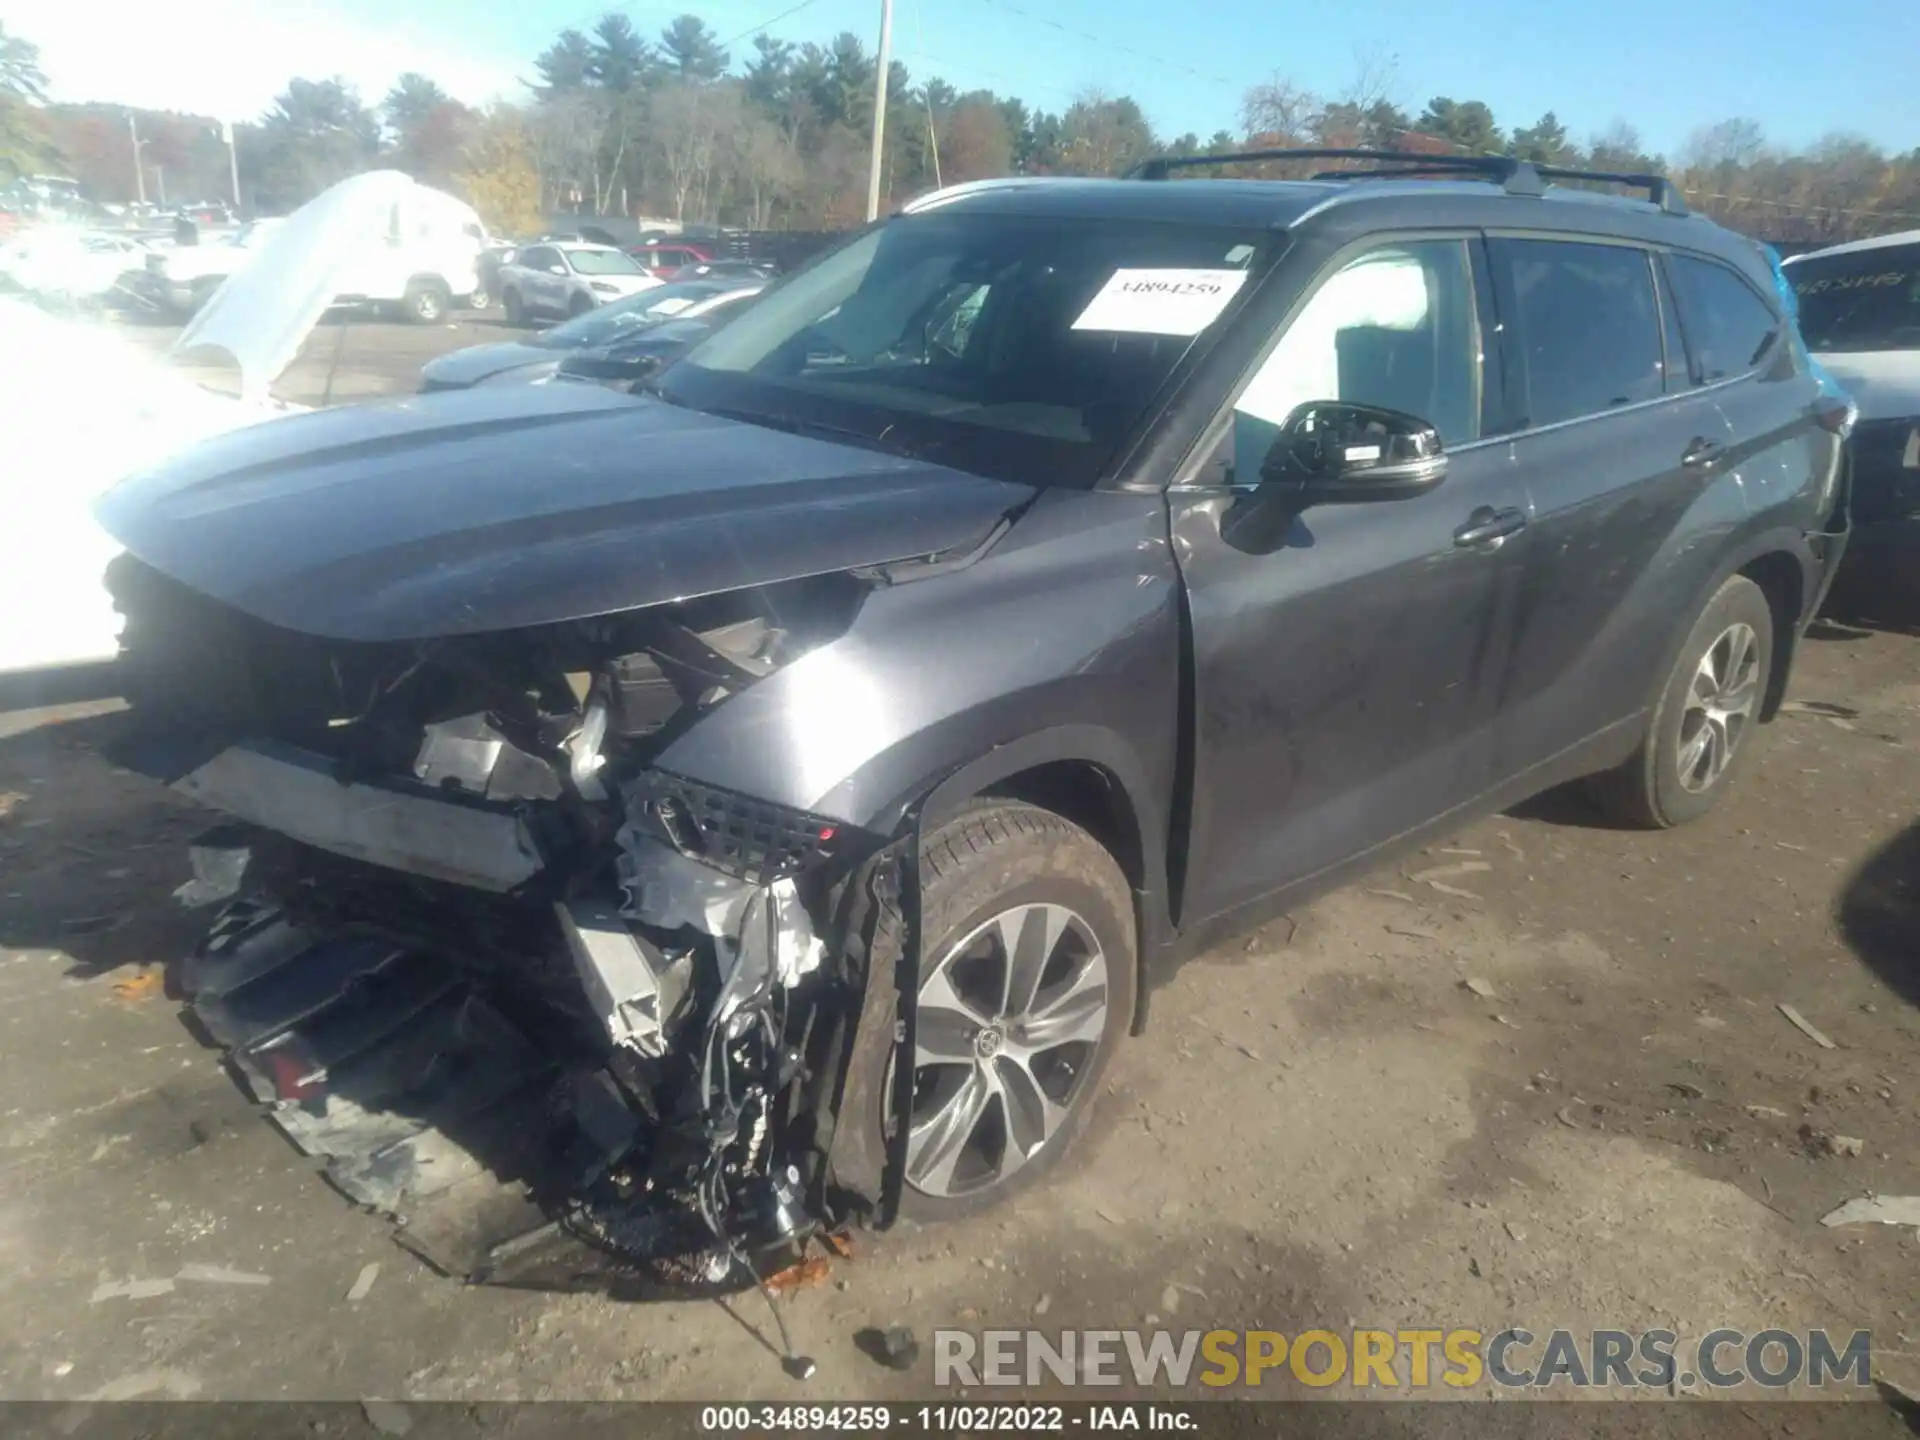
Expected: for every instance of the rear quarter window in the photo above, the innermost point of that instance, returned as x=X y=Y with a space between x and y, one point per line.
x=1730 y=329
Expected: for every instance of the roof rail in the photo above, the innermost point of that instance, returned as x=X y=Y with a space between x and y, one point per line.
x=1660 y=190
x=1516 y=176
x=1500 y=167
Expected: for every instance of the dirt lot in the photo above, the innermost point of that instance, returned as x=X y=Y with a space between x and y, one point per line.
x=1325 y=1125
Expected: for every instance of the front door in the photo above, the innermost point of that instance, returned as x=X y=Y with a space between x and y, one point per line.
x=1344 y=660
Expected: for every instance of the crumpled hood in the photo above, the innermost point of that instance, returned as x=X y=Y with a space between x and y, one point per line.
x=501 y=507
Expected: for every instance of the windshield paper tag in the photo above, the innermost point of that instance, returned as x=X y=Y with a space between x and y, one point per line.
x=1161 y=302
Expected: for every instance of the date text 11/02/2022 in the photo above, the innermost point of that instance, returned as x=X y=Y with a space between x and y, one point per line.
x=948 y=1419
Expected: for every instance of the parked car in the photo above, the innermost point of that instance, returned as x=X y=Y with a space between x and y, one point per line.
x=1860 y=313
x=635 y=358
x=664 y=257
x=724 y=270
x=182 y=278
x=788 y=781
x=418 y=261
x=540 y=356
x=557 y=281
x=73 y=265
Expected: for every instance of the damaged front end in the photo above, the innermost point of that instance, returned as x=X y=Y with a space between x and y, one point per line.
x=512 y=982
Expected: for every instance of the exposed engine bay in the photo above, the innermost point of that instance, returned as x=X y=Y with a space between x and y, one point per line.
x=511 y=982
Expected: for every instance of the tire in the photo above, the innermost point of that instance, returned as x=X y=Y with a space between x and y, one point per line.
x=1717 y=687
x=578 y=306
x=479 y=299
x=425 y=302
x=996 y=859
x=516 y=312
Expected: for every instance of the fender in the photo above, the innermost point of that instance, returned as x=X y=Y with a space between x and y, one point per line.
x=1087 y=744
x=1816 y=571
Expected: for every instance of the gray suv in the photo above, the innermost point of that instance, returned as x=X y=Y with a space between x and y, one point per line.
x=767 y=800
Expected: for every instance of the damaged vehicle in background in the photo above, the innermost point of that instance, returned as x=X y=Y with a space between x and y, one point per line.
x=671 y=824
x=1860 y=314
x=65 y=444
x=607 y=331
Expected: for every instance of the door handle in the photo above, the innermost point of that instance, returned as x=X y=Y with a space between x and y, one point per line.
x=1702 y=453
x=1487 y=526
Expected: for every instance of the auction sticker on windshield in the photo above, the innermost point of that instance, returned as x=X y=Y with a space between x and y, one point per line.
x=1161 y=302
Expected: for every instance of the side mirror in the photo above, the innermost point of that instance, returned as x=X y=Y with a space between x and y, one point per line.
x=556 y=269
x=1331 y=452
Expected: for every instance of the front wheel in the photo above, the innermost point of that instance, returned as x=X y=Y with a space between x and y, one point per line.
x=424 y=304
x=1027 y=984
x=578 y=306
x=479 y=299
x=1704 y=718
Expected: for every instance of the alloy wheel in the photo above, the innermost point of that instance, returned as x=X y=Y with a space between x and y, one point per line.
x=1009 y=1020
x=1720 y=704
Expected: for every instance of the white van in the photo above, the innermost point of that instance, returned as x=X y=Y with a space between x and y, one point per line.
x=422 y=259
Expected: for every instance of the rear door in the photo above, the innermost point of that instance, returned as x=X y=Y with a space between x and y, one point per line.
x=1344 y=657
x=1742 y=356
x=1619 y=452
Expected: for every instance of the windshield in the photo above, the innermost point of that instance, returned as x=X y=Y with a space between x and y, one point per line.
x=1023 y=347
x=637 y=312
x=1866 y=300
x=602 y=262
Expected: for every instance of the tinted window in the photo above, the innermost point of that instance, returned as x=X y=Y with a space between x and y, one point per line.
x=1394 y=328
x=1867 y=300
x=1587 y=327
x=1728 y=326
x=537 y=257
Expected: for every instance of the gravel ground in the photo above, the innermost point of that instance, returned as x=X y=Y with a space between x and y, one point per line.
x=1557 y=1092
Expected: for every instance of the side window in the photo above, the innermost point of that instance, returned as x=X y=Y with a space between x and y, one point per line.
x=1395 y=328
x=1679 y=369
x=1730 y=326
x=1587 y=326
x=534 y=257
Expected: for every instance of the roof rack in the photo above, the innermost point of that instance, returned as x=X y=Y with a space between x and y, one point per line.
x=1516 y=176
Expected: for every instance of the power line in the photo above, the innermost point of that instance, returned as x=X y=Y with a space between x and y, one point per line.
x=729 y=43
x=1113 y=45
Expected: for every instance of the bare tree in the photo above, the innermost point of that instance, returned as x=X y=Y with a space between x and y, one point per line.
x=684 y=135
x=1280 y=111
x=764 y=167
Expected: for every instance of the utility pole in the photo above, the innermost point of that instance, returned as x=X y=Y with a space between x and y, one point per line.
x=880 y=108
x=233 y=163
x=139 y=170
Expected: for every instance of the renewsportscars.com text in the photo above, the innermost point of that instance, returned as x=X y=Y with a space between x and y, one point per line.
x=1361 y=1359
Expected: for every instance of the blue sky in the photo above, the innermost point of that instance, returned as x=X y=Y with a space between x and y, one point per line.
x=1665 y=67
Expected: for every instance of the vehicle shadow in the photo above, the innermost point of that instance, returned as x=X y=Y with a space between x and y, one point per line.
x=90 y=854
x=1879 y=913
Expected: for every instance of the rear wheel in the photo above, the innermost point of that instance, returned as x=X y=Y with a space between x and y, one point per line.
x=1027 y=984
x=479 y=299
x=1704 y=718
